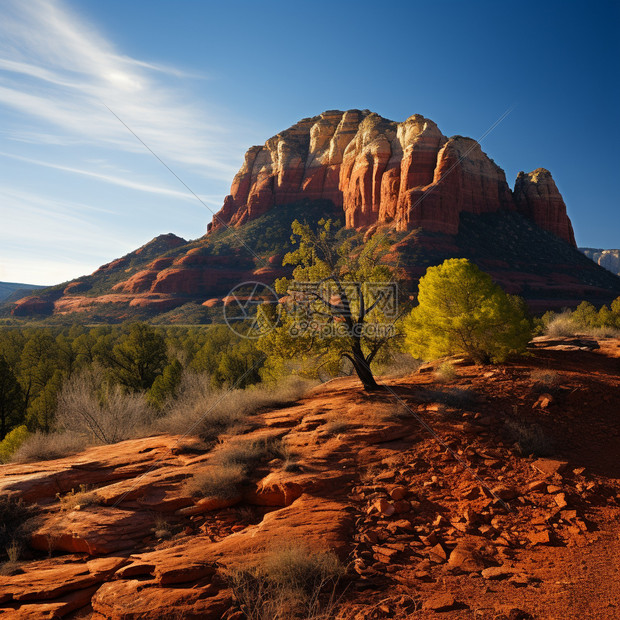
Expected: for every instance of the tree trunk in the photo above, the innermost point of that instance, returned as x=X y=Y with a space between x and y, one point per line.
x=362 y=368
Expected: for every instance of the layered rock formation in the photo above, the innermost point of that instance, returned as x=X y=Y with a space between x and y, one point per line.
x=609 y=259
x=378 y=171
x=435 y=197
x=537 y=197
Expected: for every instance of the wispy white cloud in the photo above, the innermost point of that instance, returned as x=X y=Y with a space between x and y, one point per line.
x=56 y=69
x=57 y=75
x=106 y=178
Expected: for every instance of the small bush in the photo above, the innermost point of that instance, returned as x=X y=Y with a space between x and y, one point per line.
x=545 y=380
x=291 y=581
x=335 y=425
x=199 y=409
x=220 y=481
x=46 y=446
x=11 y=442
x=531 y=438
x=399 y=365
x=13 y=517
x=445 y=373
x=76 y=500
x=106 y=415
x=561 y=325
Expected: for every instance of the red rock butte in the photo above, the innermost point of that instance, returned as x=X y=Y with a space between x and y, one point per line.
x=407 y=175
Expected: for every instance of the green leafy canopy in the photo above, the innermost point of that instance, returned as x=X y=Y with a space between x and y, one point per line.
x=461 y=310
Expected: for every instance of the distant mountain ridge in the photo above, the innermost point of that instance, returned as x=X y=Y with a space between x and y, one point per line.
x=13 y=291
x=609 y=259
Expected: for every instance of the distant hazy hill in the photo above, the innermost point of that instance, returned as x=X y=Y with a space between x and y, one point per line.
x=12 y=291
x=610 y=259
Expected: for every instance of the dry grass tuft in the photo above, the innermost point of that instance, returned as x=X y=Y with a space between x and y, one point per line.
x=335 y=425
x=221 y=481
x=231 y=463
x=201 y=410
x=545 y=380
x=248 y=452
x=78 y=499
x=46 y=446
x=14 y=525
x=531 y=438
x=291 y=581
x=161 y=528
x=445 y=373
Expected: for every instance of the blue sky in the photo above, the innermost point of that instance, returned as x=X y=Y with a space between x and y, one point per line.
x=201 y=81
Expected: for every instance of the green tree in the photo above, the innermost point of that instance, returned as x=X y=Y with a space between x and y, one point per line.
x=12 y=442
x=585 y=315
x=339 y=302
x=228 y=358
x=610 y=317
x=165 y=385
x=11 y=398
x=461 y=310
x=37 y=363
x=42 y=409
x=138 y=358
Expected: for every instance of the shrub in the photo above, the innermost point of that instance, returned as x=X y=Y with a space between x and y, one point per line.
x=105 y=414
x=561 y=325
x=14 y=515
x=531 y=438
x=445 y=372
x=545 y=380
x=12 y=442
x=78 y=499
x=199 y=409
x=220 y=481
x=46 y=446
x=291 y=581
x=461 y=310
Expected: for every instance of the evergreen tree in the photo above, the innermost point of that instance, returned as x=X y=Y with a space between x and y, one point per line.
x=461 y=310
x=140 y=356
x=11 y=398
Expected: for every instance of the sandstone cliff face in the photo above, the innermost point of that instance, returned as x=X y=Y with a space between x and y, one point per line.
x=381 y=172
x=609 y=259
x=537 y=197
x=400 y=176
